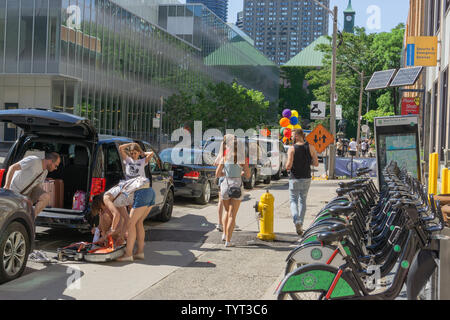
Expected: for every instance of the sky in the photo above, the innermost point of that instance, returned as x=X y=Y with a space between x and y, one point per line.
x=383 y=15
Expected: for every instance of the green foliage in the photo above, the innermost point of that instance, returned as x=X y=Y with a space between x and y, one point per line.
x=366 y=53
x=242 y=108
x=296 y=96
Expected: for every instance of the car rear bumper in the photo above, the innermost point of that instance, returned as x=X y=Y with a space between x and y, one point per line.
x=188 y=189
x=62 y=220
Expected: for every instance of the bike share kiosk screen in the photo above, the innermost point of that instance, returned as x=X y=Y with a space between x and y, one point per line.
x=397 y=139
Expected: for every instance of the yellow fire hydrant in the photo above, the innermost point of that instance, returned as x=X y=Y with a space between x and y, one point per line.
x=265 y=208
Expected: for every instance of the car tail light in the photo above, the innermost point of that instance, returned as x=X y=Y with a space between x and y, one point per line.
x=97 y=187
x=2 y=172
x=192 y=175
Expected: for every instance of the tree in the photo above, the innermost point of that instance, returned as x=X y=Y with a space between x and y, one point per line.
x=241 y=107
x=363 y=52
x=296 y=92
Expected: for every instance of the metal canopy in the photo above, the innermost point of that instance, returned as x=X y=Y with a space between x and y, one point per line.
x=380 y=80
x=406 y=77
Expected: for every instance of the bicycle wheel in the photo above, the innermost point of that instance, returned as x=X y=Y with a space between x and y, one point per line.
x=313 y=252
x=314 y=281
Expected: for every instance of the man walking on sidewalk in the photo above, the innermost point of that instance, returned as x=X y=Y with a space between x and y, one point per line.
x=300 y=158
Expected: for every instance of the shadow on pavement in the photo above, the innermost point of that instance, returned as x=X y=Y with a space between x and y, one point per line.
x=49 y=285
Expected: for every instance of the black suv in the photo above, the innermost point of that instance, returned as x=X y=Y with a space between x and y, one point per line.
x=89 y=163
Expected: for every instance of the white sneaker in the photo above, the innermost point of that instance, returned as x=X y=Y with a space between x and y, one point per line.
x=229 y=244
x=219 y=227
x=223 y=237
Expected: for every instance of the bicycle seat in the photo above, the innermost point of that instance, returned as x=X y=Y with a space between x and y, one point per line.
x=337 y=227
x=341 y=191
x=329 y=237
x=345 y=210
x=346 y=184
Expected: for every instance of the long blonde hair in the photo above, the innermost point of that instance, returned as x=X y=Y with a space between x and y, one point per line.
x=231 y=149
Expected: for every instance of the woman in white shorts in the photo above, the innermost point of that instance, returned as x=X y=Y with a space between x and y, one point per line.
x=232 y=172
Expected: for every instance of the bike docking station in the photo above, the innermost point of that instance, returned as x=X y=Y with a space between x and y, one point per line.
x=397 y=139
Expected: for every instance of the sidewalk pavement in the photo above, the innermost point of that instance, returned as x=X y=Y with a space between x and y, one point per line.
x=184 y=258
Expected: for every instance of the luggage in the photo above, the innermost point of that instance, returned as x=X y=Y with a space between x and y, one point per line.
x=55 y=188
x=90 y=252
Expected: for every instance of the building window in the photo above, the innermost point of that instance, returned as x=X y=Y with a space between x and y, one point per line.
x=438 y=15
x=444 y=108
x=432 y=16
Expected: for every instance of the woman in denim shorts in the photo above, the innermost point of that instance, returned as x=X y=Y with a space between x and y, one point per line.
x=231 y=170
x=144 y=199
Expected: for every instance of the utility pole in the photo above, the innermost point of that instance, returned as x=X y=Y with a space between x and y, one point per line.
x=332 y=162
x=333 y=100
x=358 y=134
x=160 y=123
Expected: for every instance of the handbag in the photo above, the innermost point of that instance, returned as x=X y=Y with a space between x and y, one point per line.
x=234 y=192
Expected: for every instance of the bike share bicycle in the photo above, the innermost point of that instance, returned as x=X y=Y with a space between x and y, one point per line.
x=401 y=224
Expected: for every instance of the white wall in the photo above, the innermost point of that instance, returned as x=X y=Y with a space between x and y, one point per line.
x=27 y=91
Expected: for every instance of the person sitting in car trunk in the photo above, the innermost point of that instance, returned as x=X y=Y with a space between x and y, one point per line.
x=107 y=212
x=28 y=175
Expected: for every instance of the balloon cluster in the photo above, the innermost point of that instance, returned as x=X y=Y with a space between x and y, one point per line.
x=289 y=122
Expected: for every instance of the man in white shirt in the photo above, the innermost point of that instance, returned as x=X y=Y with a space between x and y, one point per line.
x=28 y=175
x=353 y=147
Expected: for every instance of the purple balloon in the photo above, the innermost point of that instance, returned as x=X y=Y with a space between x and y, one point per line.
x=287 y=113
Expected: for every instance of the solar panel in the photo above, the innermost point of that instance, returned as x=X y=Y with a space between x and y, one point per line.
x=380 y=80
x=406 y=77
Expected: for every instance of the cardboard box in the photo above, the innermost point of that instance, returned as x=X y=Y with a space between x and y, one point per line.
x=56 y=190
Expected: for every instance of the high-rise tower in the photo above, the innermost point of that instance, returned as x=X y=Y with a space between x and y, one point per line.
x=219 y=7
x=282 y=28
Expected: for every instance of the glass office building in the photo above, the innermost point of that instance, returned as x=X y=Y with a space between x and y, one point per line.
x=96 y=59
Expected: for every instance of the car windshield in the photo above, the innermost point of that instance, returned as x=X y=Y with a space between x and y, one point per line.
x=178 y=156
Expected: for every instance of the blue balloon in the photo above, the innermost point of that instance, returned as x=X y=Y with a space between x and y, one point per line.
x=294 y=121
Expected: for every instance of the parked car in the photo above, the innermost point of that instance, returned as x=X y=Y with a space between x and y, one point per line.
x=194 y=178
x=260 y=165
x=90 y=163
x=276 y=153
x=16 y=234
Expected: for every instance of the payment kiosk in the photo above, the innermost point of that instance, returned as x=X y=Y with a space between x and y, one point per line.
x=397 y=139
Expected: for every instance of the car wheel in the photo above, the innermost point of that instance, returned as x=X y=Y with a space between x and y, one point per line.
x=267 y=180
x=251 y=183
x=14 y=250
x=206 y=194
x=166 y=212
x=277 y=176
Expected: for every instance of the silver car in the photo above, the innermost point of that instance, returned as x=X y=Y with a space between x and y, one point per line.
x=17 y=233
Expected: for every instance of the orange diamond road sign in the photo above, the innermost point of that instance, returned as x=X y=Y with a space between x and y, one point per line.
x=320 y=138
